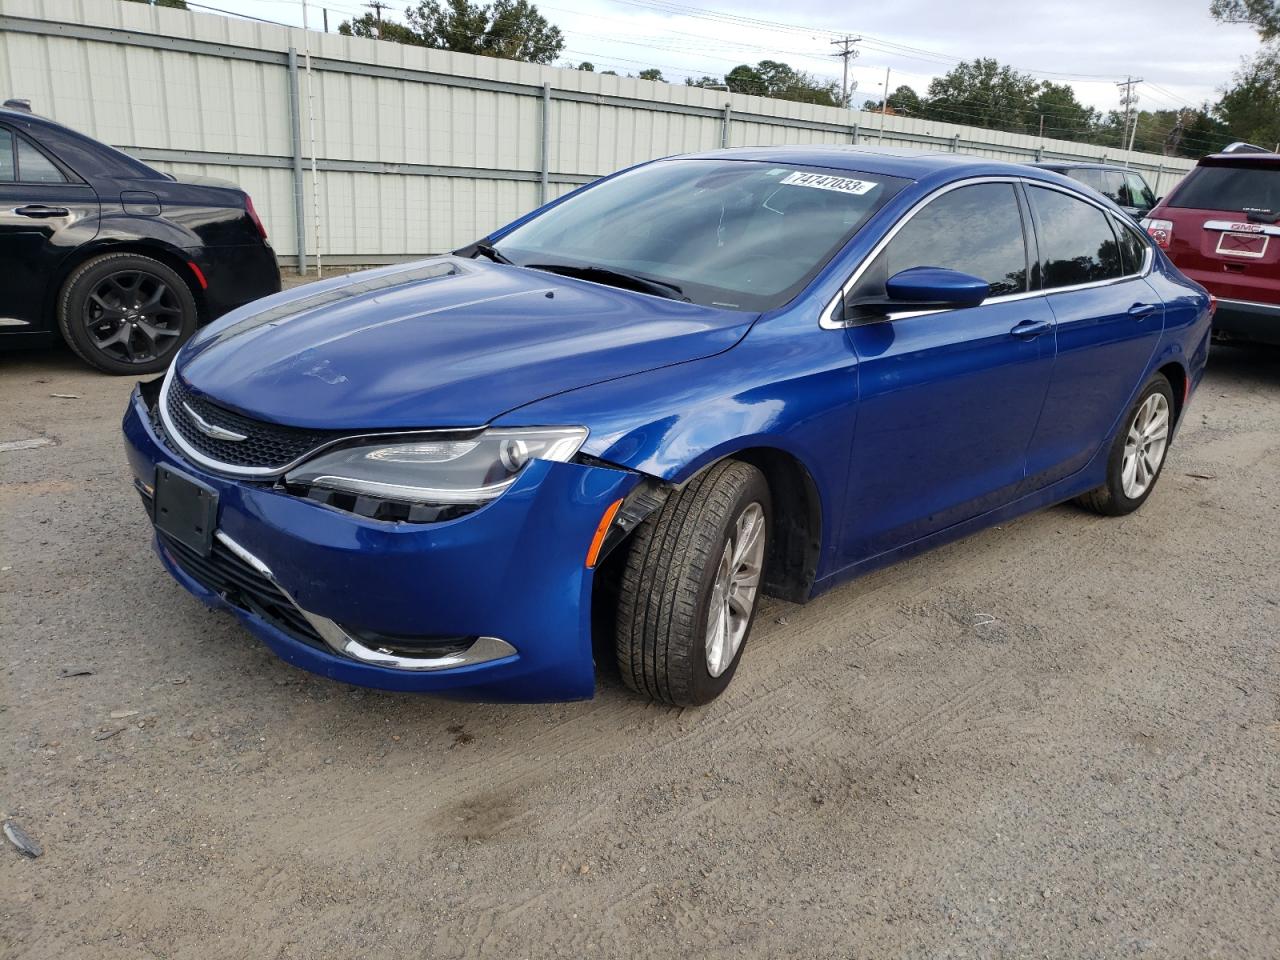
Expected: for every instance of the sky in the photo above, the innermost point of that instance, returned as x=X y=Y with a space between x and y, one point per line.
x=1183 y=56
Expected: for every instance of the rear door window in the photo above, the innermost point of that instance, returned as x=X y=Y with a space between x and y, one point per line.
x=34 y=166
x=1236 y=188
x=7 y=166
x=1133 y=248
x=1077 y=243
x=1090 y=178
x=1137 y=193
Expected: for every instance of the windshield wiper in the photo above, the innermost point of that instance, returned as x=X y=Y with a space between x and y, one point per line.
x=617 y=278
x=492 y=252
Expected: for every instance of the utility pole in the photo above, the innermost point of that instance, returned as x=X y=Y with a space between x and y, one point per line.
x=377 y=6
x=1174 y=139
x=884 y=105
x=845 y=53
x=1127 y=99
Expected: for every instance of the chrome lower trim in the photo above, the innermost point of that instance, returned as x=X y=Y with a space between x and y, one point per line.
x=14 y=322
x=484 y=650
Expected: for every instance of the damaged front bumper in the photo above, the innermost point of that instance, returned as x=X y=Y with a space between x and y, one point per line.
x=493 y=605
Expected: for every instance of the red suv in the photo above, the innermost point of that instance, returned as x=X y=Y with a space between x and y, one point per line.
x=1221 y=227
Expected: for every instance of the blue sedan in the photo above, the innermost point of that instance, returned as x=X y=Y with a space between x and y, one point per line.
x=610 y=427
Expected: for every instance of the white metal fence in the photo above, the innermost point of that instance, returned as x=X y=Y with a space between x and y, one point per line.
x=418 y=151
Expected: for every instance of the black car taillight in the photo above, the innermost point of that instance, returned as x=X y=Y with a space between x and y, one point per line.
x=253 y=215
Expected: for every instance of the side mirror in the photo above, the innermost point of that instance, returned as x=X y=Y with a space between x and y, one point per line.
x=921 y=288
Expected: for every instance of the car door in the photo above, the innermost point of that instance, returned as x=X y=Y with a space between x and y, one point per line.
x=1109 y=321
x=40 y=202
x=947 y=400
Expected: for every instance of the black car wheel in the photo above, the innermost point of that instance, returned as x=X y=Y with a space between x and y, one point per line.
x=126 y=313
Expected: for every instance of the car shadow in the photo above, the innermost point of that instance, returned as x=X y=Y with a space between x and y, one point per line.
x=1254 y=364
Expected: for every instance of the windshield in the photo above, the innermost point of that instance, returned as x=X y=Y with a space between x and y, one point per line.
x=727 y=233
x=1230 y=188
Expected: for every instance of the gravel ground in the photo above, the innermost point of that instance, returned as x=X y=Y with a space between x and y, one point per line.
x=1058 y=738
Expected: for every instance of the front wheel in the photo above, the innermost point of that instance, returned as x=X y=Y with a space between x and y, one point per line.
x=1137 y=452
x=691 y=586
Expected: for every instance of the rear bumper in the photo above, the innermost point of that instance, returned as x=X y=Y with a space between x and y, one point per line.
x=512 y=570
x=236 y=276
x=1259 y=322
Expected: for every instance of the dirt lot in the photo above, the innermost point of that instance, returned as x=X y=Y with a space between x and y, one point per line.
x=1058 y=738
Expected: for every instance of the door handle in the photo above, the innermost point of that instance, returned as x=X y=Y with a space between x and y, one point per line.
x=1030 y=329
x=1140 y=311
x=40 y=212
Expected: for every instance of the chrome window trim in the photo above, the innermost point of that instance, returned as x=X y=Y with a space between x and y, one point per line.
x=828 y=320
x=174 y=437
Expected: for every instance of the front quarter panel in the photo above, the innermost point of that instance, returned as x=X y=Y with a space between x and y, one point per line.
x=789 y=385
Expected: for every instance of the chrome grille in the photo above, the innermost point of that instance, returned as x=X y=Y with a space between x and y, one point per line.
x=267 y=446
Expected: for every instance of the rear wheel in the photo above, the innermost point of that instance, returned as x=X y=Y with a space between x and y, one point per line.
x=126 y=313
x=691 y=586
x=1137 y=452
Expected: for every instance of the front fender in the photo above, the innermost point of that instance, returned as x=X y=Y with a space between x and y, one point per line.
x=783 y=388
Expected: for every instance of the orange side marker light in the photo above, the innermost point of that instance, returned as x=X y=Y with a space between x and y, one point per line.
x=597 y=541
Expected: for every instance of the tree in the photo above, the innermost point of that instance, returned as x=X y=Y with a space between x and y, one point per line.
x=371 y=27
x=904 y=102
x=770 y=78
x=1250 y=107
x=510 y=29
x=983 y=94
x=652 y=74
x=1263 y=14
x=586 y=67
x=1065 y=117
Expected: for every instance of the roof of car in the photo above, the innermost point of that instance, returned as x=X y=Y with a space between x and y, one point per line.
x=886 y=161
x=1078 y=165
x=1242 y=158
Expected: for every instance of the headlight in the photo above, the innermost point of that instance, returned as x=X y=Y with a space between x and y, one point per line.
x=439 y=472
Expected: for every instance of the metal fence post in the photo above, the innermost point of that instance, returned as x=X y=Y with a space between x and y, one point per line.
x=955 y=143
x=724 y=127
x=295 y=130
x=855 y=135
x=544 y=187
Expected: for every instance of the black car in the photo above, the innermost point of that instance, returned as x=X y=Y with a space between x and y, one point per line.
x=119 y=260
x=1121 y=186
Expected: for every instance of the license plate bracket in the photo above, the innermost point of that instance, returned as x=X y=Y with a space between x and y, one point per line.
x=1236 y=244
x=186 y=509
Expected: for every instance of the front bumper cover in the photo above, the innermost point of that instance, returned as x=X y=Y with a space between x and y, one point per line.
x=514 y=570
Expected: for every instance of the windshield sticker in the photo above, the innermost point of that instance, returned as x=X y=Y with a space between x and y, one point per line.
x=824 y=182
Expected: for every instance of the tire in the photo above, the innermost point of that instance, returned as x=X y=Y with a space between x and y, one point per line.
x=673 y=580
x=1118 y=495
x=125 y=313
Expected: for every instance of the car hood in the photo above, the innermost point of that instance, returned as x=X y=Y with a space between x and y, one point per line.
x=444 y=342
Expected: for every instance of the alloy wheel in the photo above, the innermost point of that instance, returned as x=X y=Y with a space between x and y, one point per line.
x=133 y=316
x=733 y=593
x=1145 y=446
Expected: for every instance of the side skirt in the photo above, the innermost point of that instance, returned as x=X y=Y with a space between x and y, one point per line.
x=1065 y=489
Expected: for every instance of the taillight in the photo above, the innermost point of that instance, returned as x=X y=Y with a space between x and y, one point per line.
x=1161 y=232
x=253 y=215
